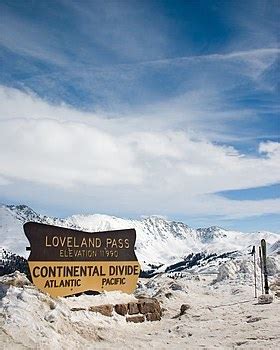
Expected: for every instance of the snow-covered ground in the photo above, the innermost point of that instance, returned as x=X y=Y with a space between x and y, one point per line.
x=216 y=282
x=222 y=315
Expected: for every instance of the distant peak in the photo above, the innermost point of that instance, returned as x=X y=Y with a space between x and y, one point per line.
x=96 y=216
x=211 y=228
x=18 y=207
x=154 y=216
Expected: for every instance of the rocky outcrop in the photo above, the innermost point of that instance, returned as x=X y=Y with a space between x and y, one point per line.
x=153 y=316
x=265 y=299
x=135 y=319
x=105 y=310
x=184 y=308
x=148 y=309
x=149 y=305
x=133 y=308
x=121 y=309
x=78 y=309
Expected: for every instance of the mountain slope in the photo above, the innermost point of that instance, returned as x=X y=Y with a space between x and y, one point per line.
x=159 y=241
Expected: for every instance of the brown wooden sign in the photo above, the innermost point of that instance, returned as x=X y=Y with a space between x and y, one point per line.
x=65 y=261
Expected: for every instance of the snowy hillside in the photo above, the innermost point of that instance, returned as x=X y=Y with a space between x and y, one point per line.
x=207 y=271
x=274 y=249
x=219 y=316
x=159 y=241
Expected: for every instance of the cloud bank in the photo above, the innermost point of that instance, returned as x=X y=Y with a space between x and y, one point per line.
x=133 y=108
x=134 y=166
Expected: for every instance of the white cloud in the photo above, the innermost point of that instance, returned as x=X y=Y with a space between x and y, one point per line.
x=96 y=29
x=4 y=181
x=123 y=163
x=233 y=209
x=19 y=36
x=121 y=27
x=272 y=149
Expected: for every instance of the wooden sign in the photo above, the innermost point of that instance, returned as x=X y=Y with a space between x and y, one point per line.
x=65 y=261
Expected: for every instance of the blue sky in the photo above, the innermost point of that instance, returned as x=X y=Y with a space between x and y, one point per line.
x=134 y=108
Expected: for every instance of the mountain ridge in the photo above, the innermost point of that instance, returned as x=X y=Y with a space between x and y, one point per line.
x=159 y=241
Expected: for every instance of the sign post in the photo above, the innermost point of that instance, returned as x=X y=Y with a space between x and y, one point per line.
x=64 y=261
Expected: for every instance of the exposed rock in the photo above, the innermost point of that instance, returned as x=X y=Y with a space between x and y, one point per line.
x=176 y=286
x=51 y=317
x=133 y=308
x=78 y=309
x=168 y=295
x=149 y=305
x=121 y=309
x=52 y=304
x=106 y=310
x=235 y=291
x=135 y=319
x=254 y=319
x=184 y=308
x=239 y=343
x=265 y=299
x=153 y=316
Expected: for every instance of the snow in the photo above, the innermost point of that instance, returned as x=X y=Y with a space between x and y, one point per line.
x=11 y=232
x=158 y=241
x=242 y=269
x=221 y=315
x=223 y=312
x=274 y=249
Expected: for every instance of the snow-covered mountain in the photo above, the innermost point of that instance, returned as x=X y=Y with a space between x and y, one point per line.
x=159 y=241
x=274 y=249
